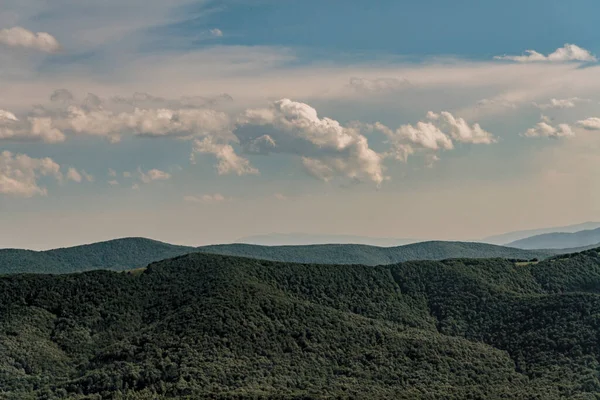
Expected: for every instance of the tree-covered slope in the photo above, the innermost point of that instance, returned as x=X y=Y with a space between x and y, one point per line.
x=210 y=326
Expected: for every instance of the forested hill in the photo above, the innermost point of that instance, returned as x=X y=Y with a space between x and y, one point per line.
x=130 y=253
x=210 y=326
x=371 y=255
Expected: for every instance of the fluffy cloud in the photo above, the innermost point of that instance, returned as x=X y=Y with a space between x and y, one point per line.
x=229 y=161
x=19 y=174
x=460 y=130
x=590 y=124
x=21 y=37
x=560 y=103
x=437 y=133
x=206 y=198
x=327 y=148
x=30 y=129
x=153 y=175
x=545 y=129
x=569 y=52
x=78 y=176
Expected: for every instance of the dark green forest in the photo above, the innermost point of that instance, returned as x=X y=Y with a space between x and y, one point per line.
x=130 y=253
x=220 y=327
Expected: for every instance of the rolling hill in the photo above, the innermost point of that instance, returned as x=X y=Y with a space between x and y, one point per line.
x=559 y=240
x=130 y=253
x=209 y=326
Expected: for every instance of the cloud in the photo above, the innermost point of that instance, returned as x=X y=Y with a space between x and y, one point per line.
x=144 y=122
x=216 y=32
x=560 y=103
x=21 y=37
x=153 y=175
x=280 y=196
x=78 y=176
x=146 y=100
x=377 y=85
x=74 y=175
x=229 y=161
x=112 y=172
x=325 y=147
x=113 y=182
x=569 y=52
x=545 y=129
x=206 y=198
x=437 y=133
x=62 y=96
x=590 y=124
x=19 y=174
x=496 y=103
x=460 y=130
x=30 y=129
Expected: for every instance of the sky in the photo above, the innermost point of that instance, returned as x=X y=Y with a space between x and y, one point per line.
x=198 y=122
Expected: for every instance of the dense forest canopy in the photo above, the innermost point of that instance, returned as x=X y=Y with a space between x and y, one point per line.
x=212 y=326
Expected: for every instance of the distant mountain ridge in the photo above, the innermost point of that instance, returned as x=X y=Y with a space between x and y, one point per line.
x=506 y=239
x=131 y=253
x=301 y=239
x=558 y=240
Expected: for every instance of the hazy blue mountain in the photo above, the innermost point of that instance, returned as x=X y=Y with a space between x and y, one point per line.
x=295 y=239
x=509 y=237
x=559 y=240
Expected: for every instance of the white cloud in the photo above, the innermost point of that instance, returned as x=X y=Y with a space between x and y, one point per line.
x=229 y=161
x=545 y=129
x=460 y=130
x=560 y=103
x=21 y=37
x=19 y=174
x=206 y=198
x=112 y=172
x=30 y=129
x=78 y=176
x=113 y=182
x=216 y=32
x=569 y=52
x=437 y=133
x=590 y=124
x=153 y=175
x=326 y=147
x=74 y=175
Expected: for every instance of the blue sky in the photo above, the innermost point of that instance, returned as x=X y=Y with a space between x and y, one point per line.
x=422 y=119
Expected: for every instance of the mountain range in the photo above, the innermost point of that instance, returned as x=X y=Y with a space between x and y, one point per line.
x=557 y=240
x=204 y=326
x=130 y=253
